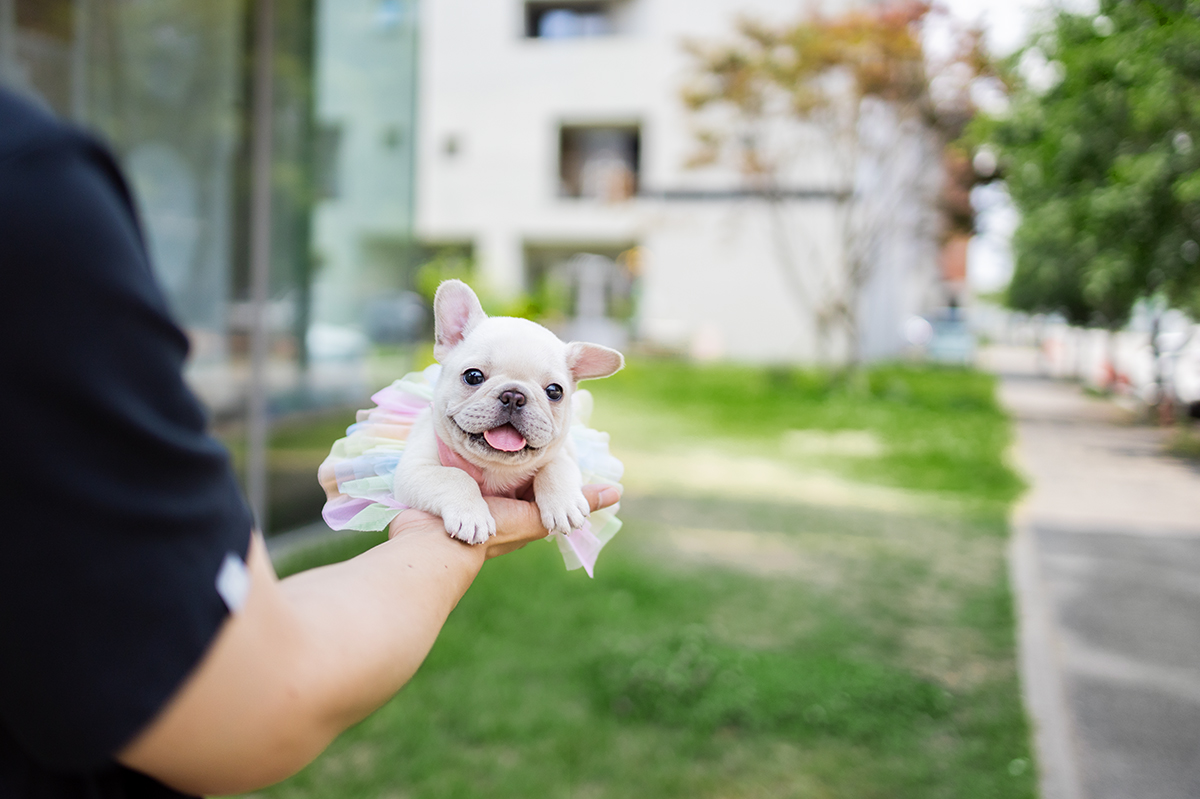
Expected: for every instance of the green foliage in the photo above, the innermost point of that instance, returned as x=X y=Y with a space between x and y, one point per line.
x=448 y=263
x=1103 y=165
x=456 y=263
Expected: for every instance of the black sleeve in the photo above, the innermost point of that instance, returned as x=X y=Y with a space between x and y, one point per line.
x=118 y=508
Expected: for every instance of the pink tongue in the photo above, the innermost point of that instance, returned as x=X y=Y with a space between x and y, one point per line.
x=505 y=438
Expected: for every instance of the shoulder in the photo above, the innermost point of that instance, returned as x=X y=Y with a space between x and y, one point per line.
x=67 y=217
x=37 y=149
x=28 y=129
x=28 y=126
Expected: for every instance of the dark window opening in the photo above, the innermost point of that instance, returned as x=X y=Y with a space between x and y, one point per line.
x=556 y=274
x=584 y=292
x=567 y=20
x=599 y=162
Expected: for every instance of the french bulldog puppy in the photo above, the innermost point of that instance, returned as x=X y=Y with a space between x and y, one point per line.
x=499 y=421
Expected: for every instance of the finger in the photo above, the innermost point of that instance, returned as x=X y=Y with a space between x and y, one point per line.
x=520 y=520
x=601 y=496
x=517 y=523
x=516 y=520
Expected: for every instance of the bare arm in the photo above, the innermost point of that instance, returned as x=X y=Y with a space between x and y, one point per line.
x=313 y=654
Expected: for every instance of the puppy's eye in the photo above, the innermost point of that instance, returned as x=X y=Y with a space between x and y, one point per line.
x=554 y=391
x=473 y=377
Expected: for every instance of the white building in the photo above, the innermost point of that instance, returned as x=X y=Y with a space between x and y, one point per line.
x=549 y=128
x=365 y=101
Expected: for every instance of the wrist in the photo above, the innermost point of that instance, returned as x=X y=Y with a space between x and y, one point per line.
x=427 y=533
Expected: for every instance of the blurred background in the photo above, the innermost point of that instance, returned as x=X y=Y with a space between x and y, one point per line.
x=665 y=175
x=549 y=152
x=805 y=223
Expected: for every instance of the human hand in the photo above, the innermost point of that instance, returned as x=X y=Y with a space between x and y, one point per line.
x=517 y=522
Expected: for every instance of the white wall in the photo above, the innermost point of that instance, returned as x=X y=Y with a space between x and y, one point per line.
x=711 y=280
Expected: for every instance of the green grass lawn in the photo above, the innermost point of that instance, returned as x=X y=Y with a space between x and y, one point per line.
x=1184 y=441
x=812 y=603
x=938 y=429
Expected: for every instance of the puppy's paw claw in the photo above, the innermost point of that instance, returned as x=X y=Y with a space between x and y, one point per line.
x=469 y=527
x=564 y=516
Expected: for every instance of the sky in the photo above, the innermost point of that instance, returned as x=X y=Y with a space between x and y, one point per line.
x=1008 y=22
x=1007 y=25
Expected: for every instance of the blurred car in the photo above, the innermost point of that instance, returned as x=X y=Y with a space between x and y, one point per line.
x=396 y=318
x=952 y=340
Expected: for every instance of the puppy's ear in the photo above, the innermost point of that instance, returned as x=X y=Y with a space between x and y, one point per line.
x=588 y=361
x=456 y=310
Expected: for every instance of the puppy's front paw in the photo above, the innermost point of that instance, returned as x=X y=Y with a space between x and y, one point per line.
x=472 y=524
x=564 y=514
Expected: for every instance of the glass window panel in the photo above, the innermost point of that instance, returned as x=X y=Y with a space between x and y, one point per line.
x=169 y=85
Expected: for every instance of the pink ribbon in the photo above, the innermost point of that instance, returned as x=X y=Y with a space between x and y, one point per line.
x=586 y=546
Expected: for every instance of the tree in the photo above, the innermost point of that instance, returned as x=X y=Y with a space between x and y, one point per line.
x=1101 y=161
x=857 y=88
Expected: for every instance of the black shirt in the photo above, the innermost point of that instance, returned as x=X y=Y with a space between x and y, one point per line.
x=117 y=508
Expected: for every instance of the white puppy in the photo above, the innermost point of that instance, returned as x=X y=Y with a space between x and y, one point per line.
x=500 y=419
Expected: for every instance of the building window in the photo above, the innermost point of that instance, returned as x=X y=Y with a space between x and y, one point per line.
x=599 y=162
x=568 y=20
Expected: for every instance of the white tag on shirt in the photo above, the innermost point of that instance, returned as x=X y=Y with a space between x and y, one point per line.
x=233 y=582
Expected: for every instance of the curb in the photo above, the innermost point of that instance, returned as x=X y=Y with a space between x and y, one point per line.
x=1039 y=655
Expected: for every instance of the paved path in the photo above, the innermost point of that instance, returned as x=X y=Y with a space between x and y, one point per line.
x=1106 y=563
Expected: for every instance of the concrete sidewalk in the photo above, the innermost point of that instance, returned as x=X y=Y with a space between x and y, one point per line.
x=1106 y=565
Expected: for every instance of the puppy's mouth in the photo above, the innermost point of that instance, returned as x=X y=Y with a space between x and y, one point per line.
x=505 y=438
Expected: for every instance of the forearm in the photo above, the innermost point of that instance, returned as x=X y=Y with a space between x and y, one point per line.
x=308 y=656
x=368 y=623
x=304 y=659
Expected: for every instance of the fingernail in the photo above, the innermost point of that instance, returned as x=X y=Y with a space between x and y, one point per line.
x=609 y=496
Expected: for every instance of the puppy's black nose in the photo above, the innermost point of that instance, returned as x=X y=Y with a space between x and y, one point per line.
x=512 y=397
